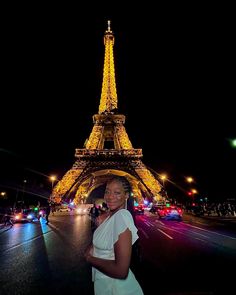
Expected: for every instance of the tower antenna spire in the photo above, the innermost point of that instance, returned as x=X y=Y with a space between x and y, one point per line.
x=109 y=26
x=108 y=101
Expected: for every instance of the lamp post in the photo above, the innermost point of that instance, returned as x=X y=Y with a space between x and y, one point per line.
x=189 y=179
x=163 y=178
x=193 y=193
x=23 y=195
x=3 y=195
x=53 y=178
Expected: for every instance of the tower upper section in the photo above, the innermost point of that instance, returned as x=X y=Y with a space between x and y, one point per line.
x=108 y=101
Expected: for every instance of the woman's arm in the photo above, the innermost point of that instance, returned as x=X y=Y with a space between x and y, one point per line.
x=119 y=267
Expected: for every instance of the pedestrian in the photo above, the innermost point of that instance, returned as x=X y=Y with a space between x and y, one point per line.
x=47 y=212
x=111 y=249
x=94 y=213
x=8 y=217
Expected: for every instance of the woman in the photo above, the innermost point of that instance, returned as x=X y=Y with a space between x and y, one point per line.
x=111 y=251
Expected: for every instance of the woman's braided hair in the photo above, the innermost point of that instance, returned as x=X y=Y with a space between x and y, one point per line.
x=128 y=189
x=124 y=181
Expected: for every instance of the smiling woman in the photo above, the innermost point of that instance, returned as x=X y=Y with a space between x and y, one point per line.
x=110 y=253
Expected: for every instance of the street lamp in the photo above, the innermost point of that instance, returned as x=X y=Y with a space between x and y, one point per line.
x=189 y=179
x=53 y=178
x=163 y=178
x=24 y=184
x=193 y=193
x=3 y=194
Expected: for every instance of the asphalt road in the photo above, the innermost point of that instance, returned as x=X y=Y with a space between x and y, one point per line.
x=195 y=256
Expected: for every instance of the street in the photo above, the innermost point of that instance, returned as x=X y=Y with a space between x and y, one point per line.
x=194 y=256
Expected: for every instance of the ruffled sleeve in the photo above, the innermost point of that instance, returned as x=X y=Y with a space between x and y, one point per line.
x=123 y=220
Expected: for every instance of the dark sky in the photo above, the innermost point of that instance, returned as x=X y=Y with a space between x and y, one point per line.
x=175 y=84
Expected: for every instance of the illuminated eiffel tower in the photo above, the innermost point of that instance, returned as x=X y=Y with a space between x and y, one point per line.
x=108 y=150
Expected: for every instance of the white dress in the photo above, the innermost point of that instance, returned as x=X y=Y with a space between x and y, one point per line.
x=104 y=238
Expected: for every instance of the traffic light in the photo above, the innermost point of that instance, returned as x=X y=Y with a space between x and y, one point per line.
x=190 y=193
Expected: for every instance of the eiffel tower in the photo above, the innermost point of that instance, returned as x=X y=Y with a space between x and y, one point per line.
x=108 y=150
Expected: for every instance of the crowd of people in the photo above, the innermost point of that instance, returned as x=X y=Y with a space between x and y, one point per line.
x=213 y=209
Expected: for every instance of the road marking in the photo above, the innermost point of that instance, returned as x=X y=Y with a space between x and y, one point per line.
x=143 y=232
x=159 y=222
x=201 y=240
x=25 y=242
x=165 y=234
x=148 y=223
x=53 y=226
x=210 y=231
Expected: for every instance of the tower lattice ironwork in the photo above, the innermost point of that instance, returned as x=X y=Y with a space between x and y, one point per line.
x=108 y=150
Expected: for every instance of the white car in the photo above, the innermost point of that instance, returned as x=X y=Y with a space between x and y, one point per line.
x=64 y=209
x=82 y=210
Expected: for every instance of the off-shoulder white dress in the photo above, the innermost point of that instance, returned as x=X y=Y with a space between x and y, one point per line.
x=104 y=238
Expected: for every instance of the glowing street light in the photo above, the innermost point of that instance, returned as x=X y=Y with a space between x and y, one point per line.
x=53 y=178
x=23 y=190
x=189 y=179
x=3 y=194
x=194 y=191
x=163 y=178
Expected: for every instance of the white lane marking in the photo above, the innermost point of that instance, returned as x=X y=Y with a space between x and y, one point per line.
x=159 y=222
x=210 y=231
x=180 y=232
x=143 y=232
x=53 y=226
x=148 y=223
x=26 y=242
x=201 y=240
x=165 y=234
x=32 y=239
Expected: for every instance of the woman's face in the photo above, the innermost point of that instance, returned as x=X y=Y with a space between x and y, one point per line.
x=115 y=196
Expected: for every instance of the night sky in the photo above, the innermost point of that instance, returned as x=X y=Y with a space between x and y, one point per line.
x=175 y=85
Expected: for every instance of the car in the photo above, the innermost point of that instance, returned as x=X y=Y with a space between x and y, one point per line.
x=83 y=209
x=23 y=215
x=139 y=209
x=64 y=209
x=170 y=213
